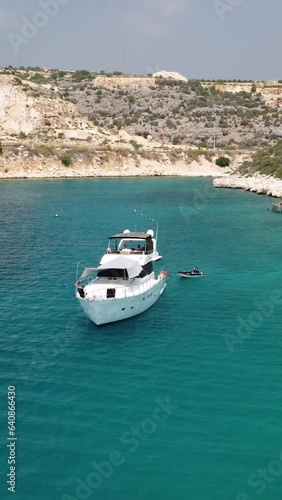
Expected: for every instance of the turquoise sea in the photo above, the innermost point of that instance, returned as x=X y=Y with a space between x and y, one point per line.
x=181 y=402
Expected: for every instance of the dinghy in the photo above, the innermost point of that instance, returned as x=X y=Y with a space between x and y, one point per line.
x=196 y=273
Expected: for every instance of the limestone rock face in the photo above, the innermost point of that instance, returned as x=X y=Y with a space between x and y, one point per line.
x=24 y=110
x=17 y=113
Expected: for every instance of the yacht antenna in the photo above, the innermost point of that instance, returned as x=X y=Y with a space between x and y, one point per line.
x=157 y=233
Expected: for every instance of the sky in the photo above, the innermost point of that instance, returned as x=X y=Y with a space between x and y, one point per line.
x=212 y=39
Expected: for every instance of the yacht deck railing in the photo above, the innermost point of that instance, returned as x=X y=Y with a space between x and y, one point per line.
x=129 y=291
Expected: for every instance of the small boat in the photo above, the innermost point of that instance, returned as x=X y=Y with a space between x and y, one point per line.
x=196 y=273
x=277 y=207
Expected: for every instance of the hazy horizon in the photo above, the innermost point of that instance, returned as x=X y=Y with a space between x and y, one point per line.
x=211 y=39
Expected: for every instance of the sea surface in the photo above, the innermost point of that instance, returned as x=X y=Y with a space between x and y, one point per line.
x=181 y=402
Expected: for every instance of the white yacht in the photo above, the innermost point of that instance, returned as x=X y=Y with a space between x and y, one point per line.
x=124 y=284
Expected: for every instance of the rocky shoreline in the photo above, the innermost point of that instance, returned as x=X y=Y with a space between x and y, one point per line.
x=259 y=184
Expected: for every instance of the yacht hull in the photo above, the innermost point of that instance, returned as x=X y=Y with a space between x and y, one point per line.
x=117 y=309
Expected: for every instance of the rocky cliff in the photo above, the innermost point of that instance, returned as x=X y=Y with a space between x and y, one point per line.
x=45 y=116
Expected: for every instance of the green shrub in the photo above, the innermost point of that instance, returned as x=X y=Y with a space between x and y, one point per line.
x=267 y=160
x=131 y=99
x=176 y=140
x=117 y=123
x=278 y=173
x=222 y=161
x=38 y=78
x=82 y=74
x=66 y=160
x=245 y=123
x=135 y=145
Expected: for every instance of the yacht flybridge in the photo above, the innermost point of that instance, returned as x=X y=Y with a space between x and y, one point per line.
x=124 y=284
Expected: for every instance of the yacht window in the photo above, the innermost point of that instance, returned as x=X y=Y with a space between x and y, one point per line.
x=113 y=273
x=146 y=270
